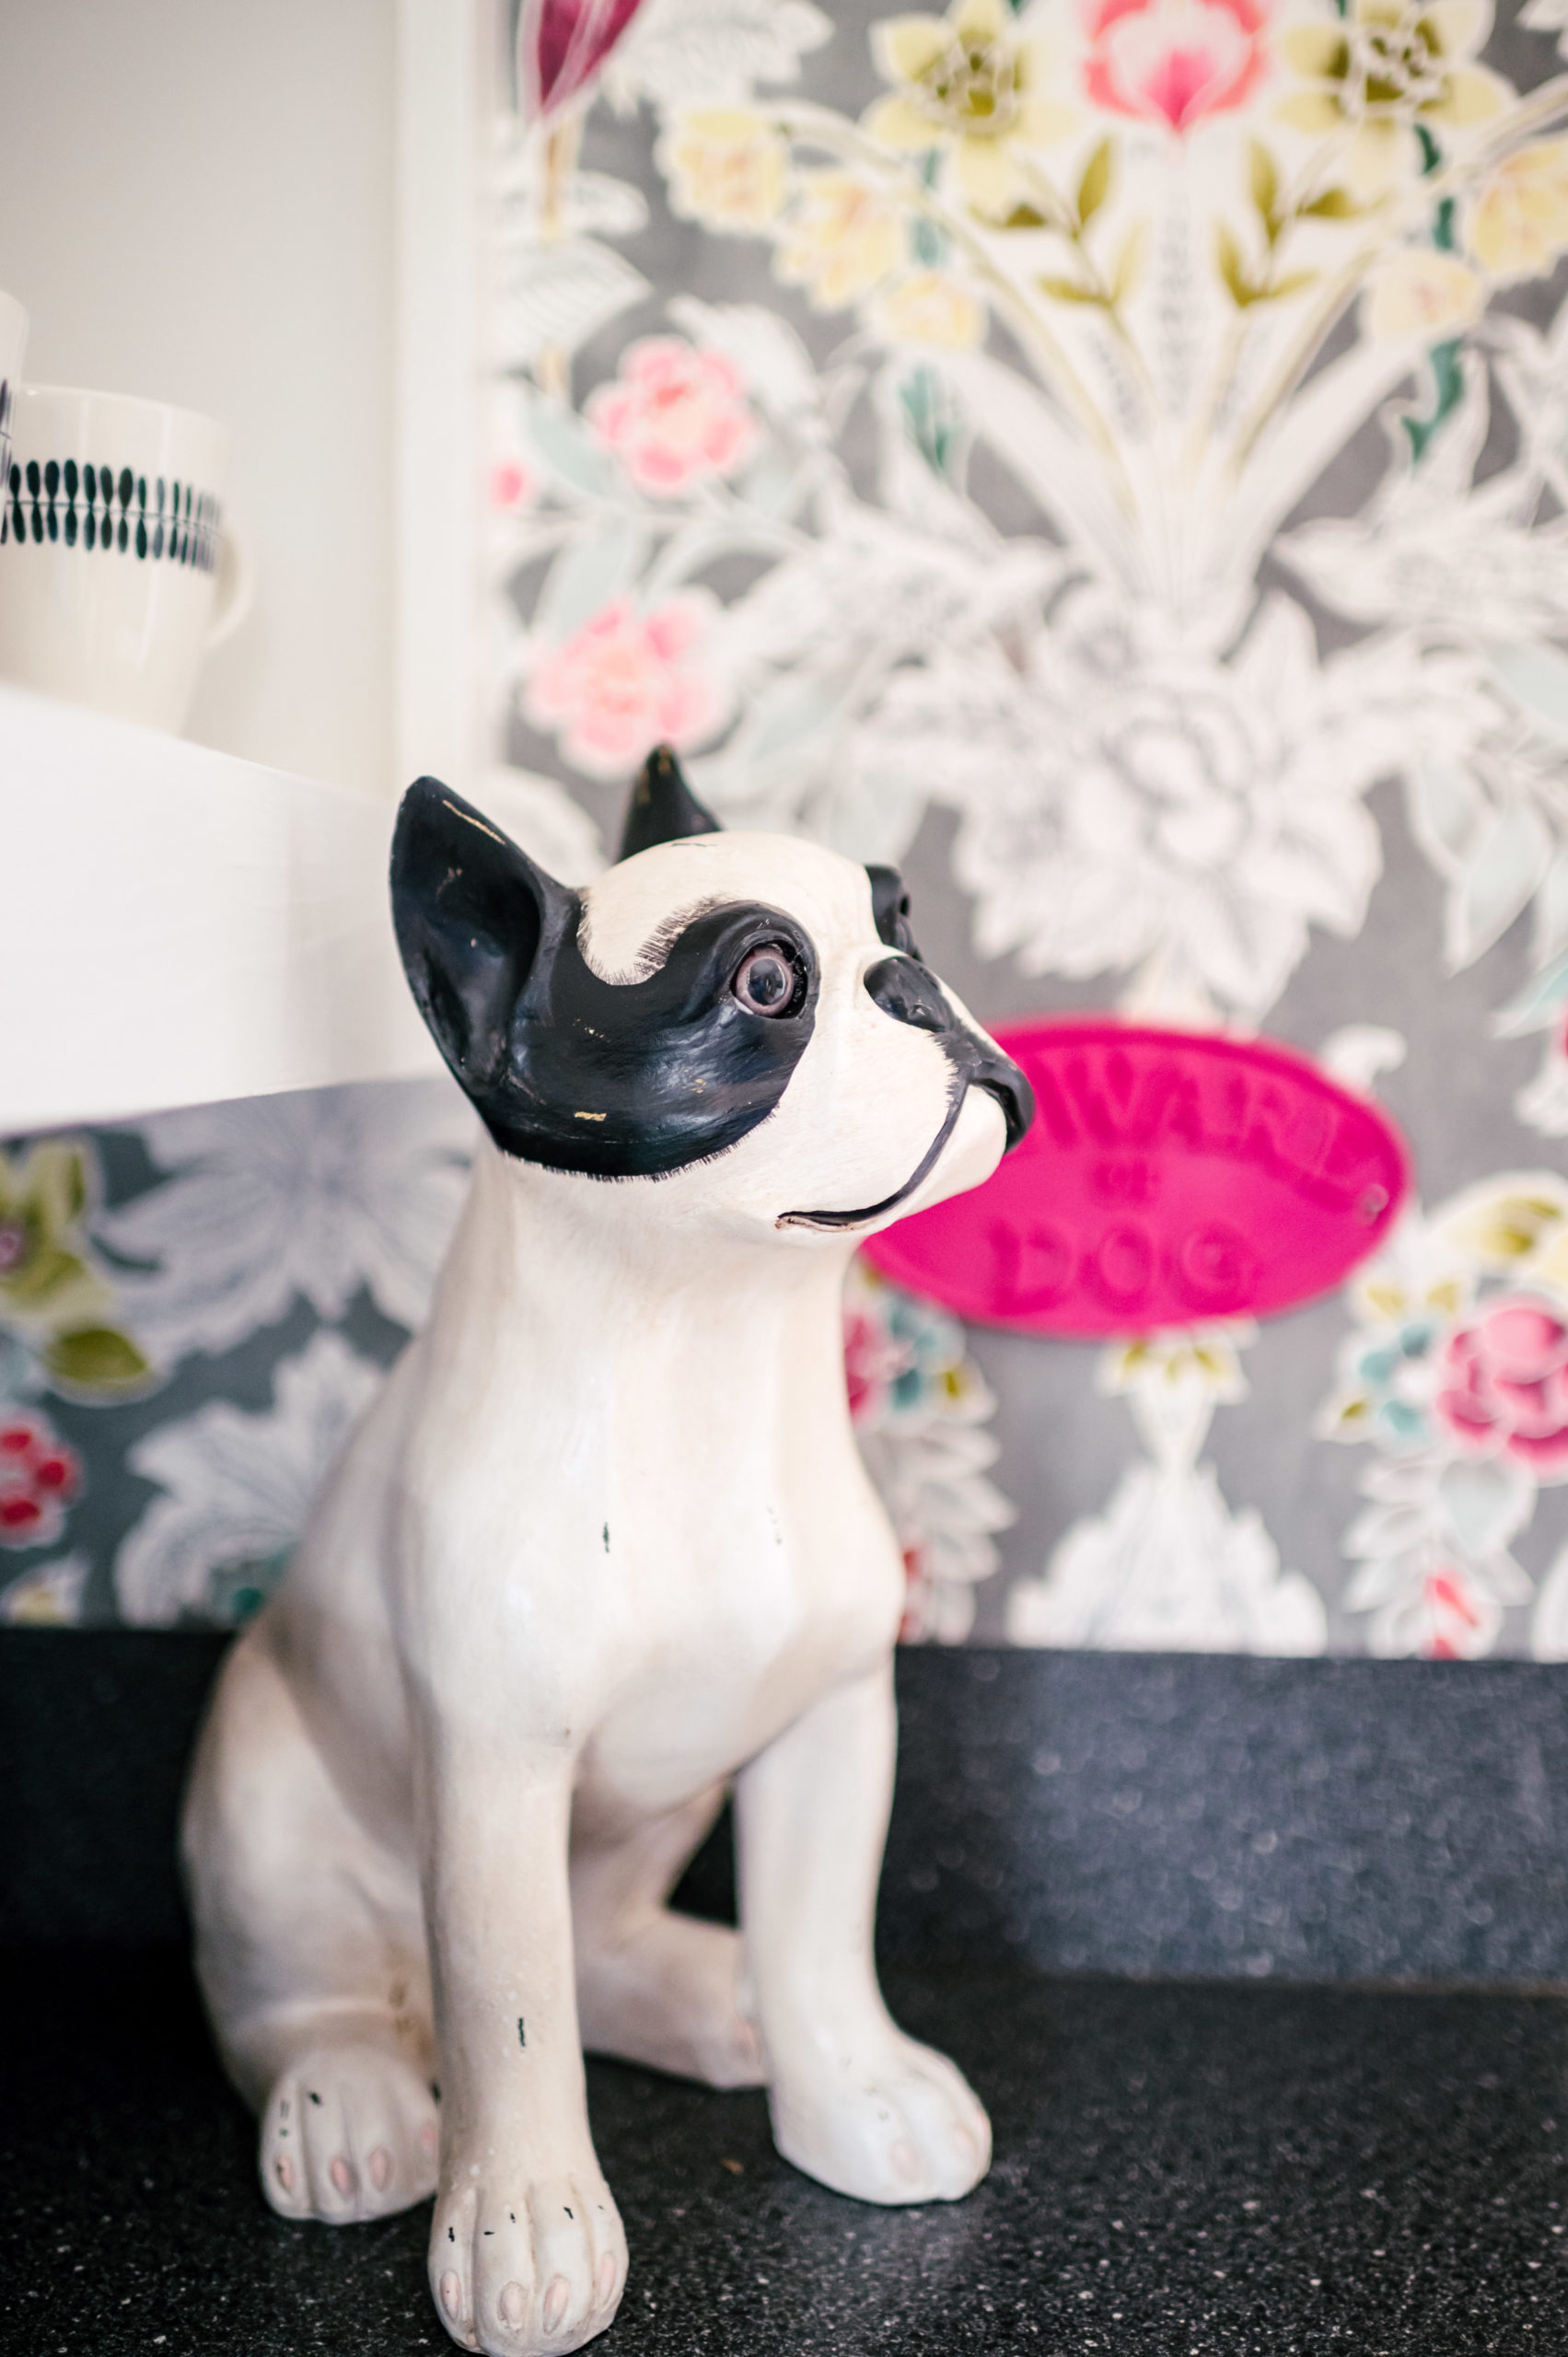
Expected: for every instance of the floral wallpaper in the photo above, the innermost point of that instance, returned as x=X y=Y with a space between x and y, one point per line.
x=1110 y=457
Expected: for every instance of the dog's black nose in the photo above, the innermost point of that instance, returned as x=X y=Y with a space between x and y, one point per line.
x=1000 y=1075
x=910 y=994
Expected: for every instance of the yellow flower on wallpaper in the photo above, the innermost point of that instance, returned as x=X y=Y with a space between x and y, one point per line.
x=1417 y=291
x=1205 y=1358
x=1517 y=223
x=727 y=168
x=930 y=308
x=842 y=239
x=1385 y=69
x=968 y=83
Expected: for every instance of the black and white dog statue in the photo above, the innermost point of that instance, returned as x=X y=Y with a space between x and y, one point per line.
x=601 y=1550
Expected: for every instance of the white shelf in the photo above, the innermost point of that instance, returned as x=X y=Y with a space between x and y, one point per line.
x=179 y=926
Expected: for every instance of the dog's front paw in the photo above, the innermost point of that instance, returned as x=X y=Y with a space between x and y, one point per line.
x=349 y=2133
x=898 y=2124
x=523 y=2262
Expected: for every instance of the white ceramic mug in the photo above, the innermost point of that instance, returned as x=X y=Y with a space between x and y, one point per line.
x=13 y=344
x=117 y=569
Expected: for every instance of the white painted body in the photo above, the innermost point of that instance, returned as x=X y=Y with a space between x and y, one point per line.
x=603 y=1546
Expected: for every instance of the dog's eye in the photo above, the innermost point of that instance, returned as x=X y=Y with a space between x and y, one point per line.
x=770 y=982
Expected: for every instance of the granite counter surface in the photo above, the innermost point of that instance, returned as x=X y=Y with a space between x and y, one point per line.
x=1181 y=2170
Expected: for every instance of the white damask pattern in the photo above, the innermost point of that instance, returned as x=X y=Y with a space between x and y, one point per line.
x=236 y=1489
x=1168 y=1568
x=276 y=1197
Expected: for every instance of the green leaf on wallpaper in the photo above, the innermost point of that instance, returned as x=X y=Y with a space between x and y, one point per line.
x=591 y=570
x=790 y=714
x=1292 y=283
x=929 y=245
x=1128 y=263
x=1538 y=1007
x=1022 y=216
x=1095 y=185
x=1228 y=261
x=1448 y=387
x=1536 y=678
x=1334 y=204
x=236 y=1592
x=1067 y=290
x=1551 y=910
x=1508 y=862
x=567 y=447
x=47 y=1184
x=42 y=1278
x=74 y=1184
x=1264 y=181
x=1486 y=1504
x=1447 y=809
x=95 y=1358
x=928 y=417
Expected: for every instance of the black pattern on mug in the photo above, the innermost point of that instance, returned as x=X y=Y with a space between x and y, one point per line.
x=6 y=404
x=151 y=517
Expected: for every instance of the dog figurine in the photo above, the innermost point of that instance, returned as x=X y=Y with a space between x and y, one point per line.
x=601 y=1548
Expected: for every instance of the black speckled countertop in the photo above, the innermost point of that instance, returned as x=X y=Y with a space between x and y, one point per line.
x=1181 y=2170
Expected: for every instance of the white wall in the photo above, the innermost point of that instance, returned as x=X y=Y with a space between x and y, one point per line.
x=196 y=203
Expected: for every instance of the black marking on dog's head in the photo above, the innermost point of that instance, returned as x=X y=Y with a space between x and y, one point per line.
x=615 y=1080
x=663 y=808
x=890 y=908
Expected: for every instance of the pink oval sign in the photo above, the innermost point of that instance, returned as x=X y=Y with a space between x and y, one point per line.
x=1169 y=1177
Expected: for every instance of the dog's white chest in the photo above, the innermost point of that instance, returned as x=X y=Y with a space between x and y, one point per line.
x=731 y=1599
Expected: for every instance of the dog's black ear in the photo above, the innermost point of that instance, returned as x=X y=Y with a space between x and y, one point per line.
x=663 y=808
x=475 y=920
x=890 y=908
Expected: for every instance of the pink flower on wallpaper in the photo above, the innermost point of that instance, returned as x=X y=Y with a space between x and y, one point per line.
x=1175 y=61
x=627 y=681
x=1504 y=1388
x=1457 y=1627
x=674 y=416
x=562 y=43
x=38 y=1477
x=512 y=486
x=872 y=1359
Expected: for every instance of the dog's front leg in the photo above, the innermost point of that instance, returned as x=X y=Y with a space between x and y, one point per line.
x=527 y=2251
x=855 y=2102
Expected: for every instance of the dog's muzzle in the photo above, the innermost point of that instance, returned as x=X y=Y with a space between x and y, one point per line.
x=909 y=993
x=912 y=994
